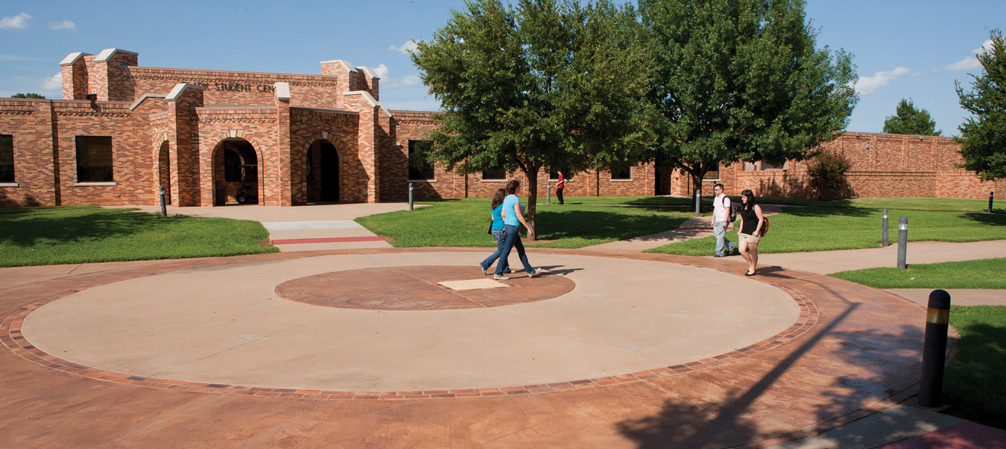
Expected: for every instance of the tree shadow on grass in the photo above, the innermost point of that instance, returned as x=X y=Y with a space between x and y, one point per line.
x=973 y=384
x=987 y=219
x=601 y=224
x=29 y=229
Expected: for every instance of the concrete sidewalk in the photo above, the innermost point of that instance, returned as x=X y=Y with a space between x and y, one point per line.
x=303 y=228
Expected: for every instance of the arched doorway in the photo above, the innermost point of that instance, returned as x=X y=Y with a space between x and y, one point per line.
x=235 y=173
x=322 y=172
x=164 y=171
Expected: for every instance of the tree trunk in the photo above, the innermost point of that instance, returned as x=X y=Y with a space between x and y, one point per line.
x=532 y=203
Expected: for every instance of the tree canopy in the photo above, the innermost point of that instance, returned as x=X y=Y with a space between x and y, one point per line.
x=983 y=135
x=29 y=95
x=546 y=84
x=908 y=119
x=742 y=80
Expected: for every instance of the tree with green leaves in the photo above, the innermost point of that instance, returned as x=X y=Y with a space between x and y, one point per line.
x=908 y=119
x=29 y=95
x=983 y=135
x=547 y=84
x=742 y=80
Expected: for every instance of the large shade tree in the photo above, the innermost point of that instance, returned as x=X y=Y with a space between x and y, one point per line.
x=545 y=84
x=983 y=135
x=742 y=80
x=908 y=119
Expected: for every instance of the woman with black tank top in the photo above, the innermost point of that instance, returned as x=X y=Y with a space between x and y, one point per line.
x=750 y=233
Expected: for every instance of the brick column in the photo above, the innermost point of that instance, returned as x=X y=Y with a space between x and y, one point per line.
x=187 y=185
x=284 y=196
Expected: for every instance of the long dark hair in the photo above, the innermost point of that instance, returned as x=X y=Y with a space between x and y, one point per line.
x=498 y=198
x=750 y=204
x=512 y=186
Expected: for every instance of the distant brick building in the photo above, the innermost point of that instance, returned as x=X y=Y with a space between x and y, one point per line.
x=121 y=131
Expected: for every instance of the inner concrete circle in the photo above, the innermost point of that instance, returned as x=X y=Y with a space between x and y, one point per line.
x=224 y=324
x=420 y=288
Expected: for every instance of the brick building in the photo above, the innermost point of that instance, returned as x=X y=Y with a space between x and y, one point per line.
x=122 y=131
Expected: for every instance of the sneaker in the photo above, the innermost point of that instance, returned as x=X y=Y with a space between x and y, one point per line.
x=484 y=270
x=500 y=277
x=732 y=250
x=537 y=272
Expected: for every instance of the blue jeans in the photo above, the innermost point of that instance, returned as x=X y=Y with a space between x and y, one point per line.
x=512 y=240
x=720 y=230
x=500 y=240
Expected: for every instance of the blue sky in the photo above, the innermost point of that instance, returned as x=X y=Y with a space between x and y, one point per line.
x=902 y=49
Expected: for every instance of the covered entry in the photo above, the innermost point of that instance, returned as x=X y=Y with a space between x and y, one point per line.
x=322 y=172
x=235 y=173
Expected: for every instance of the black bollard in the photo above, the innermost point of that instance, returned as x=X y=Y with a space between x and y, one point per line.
x=934 y=350
x=164 y=210
x=991 y=195
x=410 y=196
x=902 y=241
x=883 y=230
x=548 y=192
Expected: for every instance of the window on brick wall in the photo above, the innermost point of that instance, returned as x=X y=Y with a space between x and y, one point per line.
x=713 y=174
x=94 y=159
x=495 y=174
x=6 y=158
x=621 y=172
x=770 y=166
x=420 y=167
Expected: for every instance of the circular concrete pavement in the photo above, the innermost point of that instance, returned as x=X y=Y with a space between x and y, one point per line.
x=343 y=328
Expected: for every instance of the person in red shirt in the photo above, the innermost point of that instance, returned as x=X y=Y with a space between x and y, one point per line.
x=559 y=186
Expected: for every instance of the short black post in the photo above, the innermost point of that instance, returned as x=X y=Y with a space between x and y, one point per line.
x=902 y=241
x=164 y=209
x=934 y=350
x=991 y=195
x=410 y=196
x=883 y=230
x=698 y=199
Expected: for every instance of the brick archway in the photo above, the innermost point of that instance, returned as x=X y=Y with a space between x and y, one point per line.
x=237 y=170
x=322 y=172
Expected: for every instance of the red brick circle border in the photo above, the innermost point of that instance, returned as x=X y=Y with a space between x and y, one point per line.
x=12 y=338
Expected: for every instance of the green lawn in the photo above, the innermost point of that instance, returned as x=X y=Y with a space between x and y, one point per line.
x=578 y=223
x=855 y=224
x=79 y=234
x=983 y=273
x=974 y=384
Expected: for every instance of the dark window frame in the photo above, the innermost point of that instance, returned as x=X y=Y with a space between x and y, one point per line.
x=90 y=159
x=7 y=174
x=420 y=168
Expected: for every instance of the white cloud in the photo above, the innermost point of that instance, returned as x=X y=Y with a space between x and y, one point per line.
x=405 y=48
x=18 y=22
x=971 y=62
x=54 y=82
x=382 y=71
x=869 y=84
x=64 y=25
x=411 y=80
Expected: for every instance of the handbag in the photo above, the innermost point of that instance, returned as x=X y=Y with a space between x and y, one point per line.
x=490 y=231
x=764 y=227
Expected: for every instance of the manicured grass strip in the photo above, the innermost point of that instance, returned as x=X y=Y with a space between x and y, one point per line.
x=80 y=234
x=465 y=222
x=983 y=273
x=974 y=383
x=824 y=227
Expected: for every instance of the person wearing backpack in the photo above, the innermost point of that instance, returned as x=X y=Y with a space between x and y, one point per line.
x=723 y=219
x=753 y=222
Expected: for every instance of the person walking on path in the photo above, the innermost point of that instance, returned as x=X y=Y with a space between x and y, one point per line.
x=752 y=221
x=496 y=229
x=559 y=185
x=721 y=221
x=513 y=217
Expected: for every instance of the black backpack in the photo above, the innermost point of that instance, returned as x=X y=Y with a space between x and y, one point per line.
x=732 y=213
